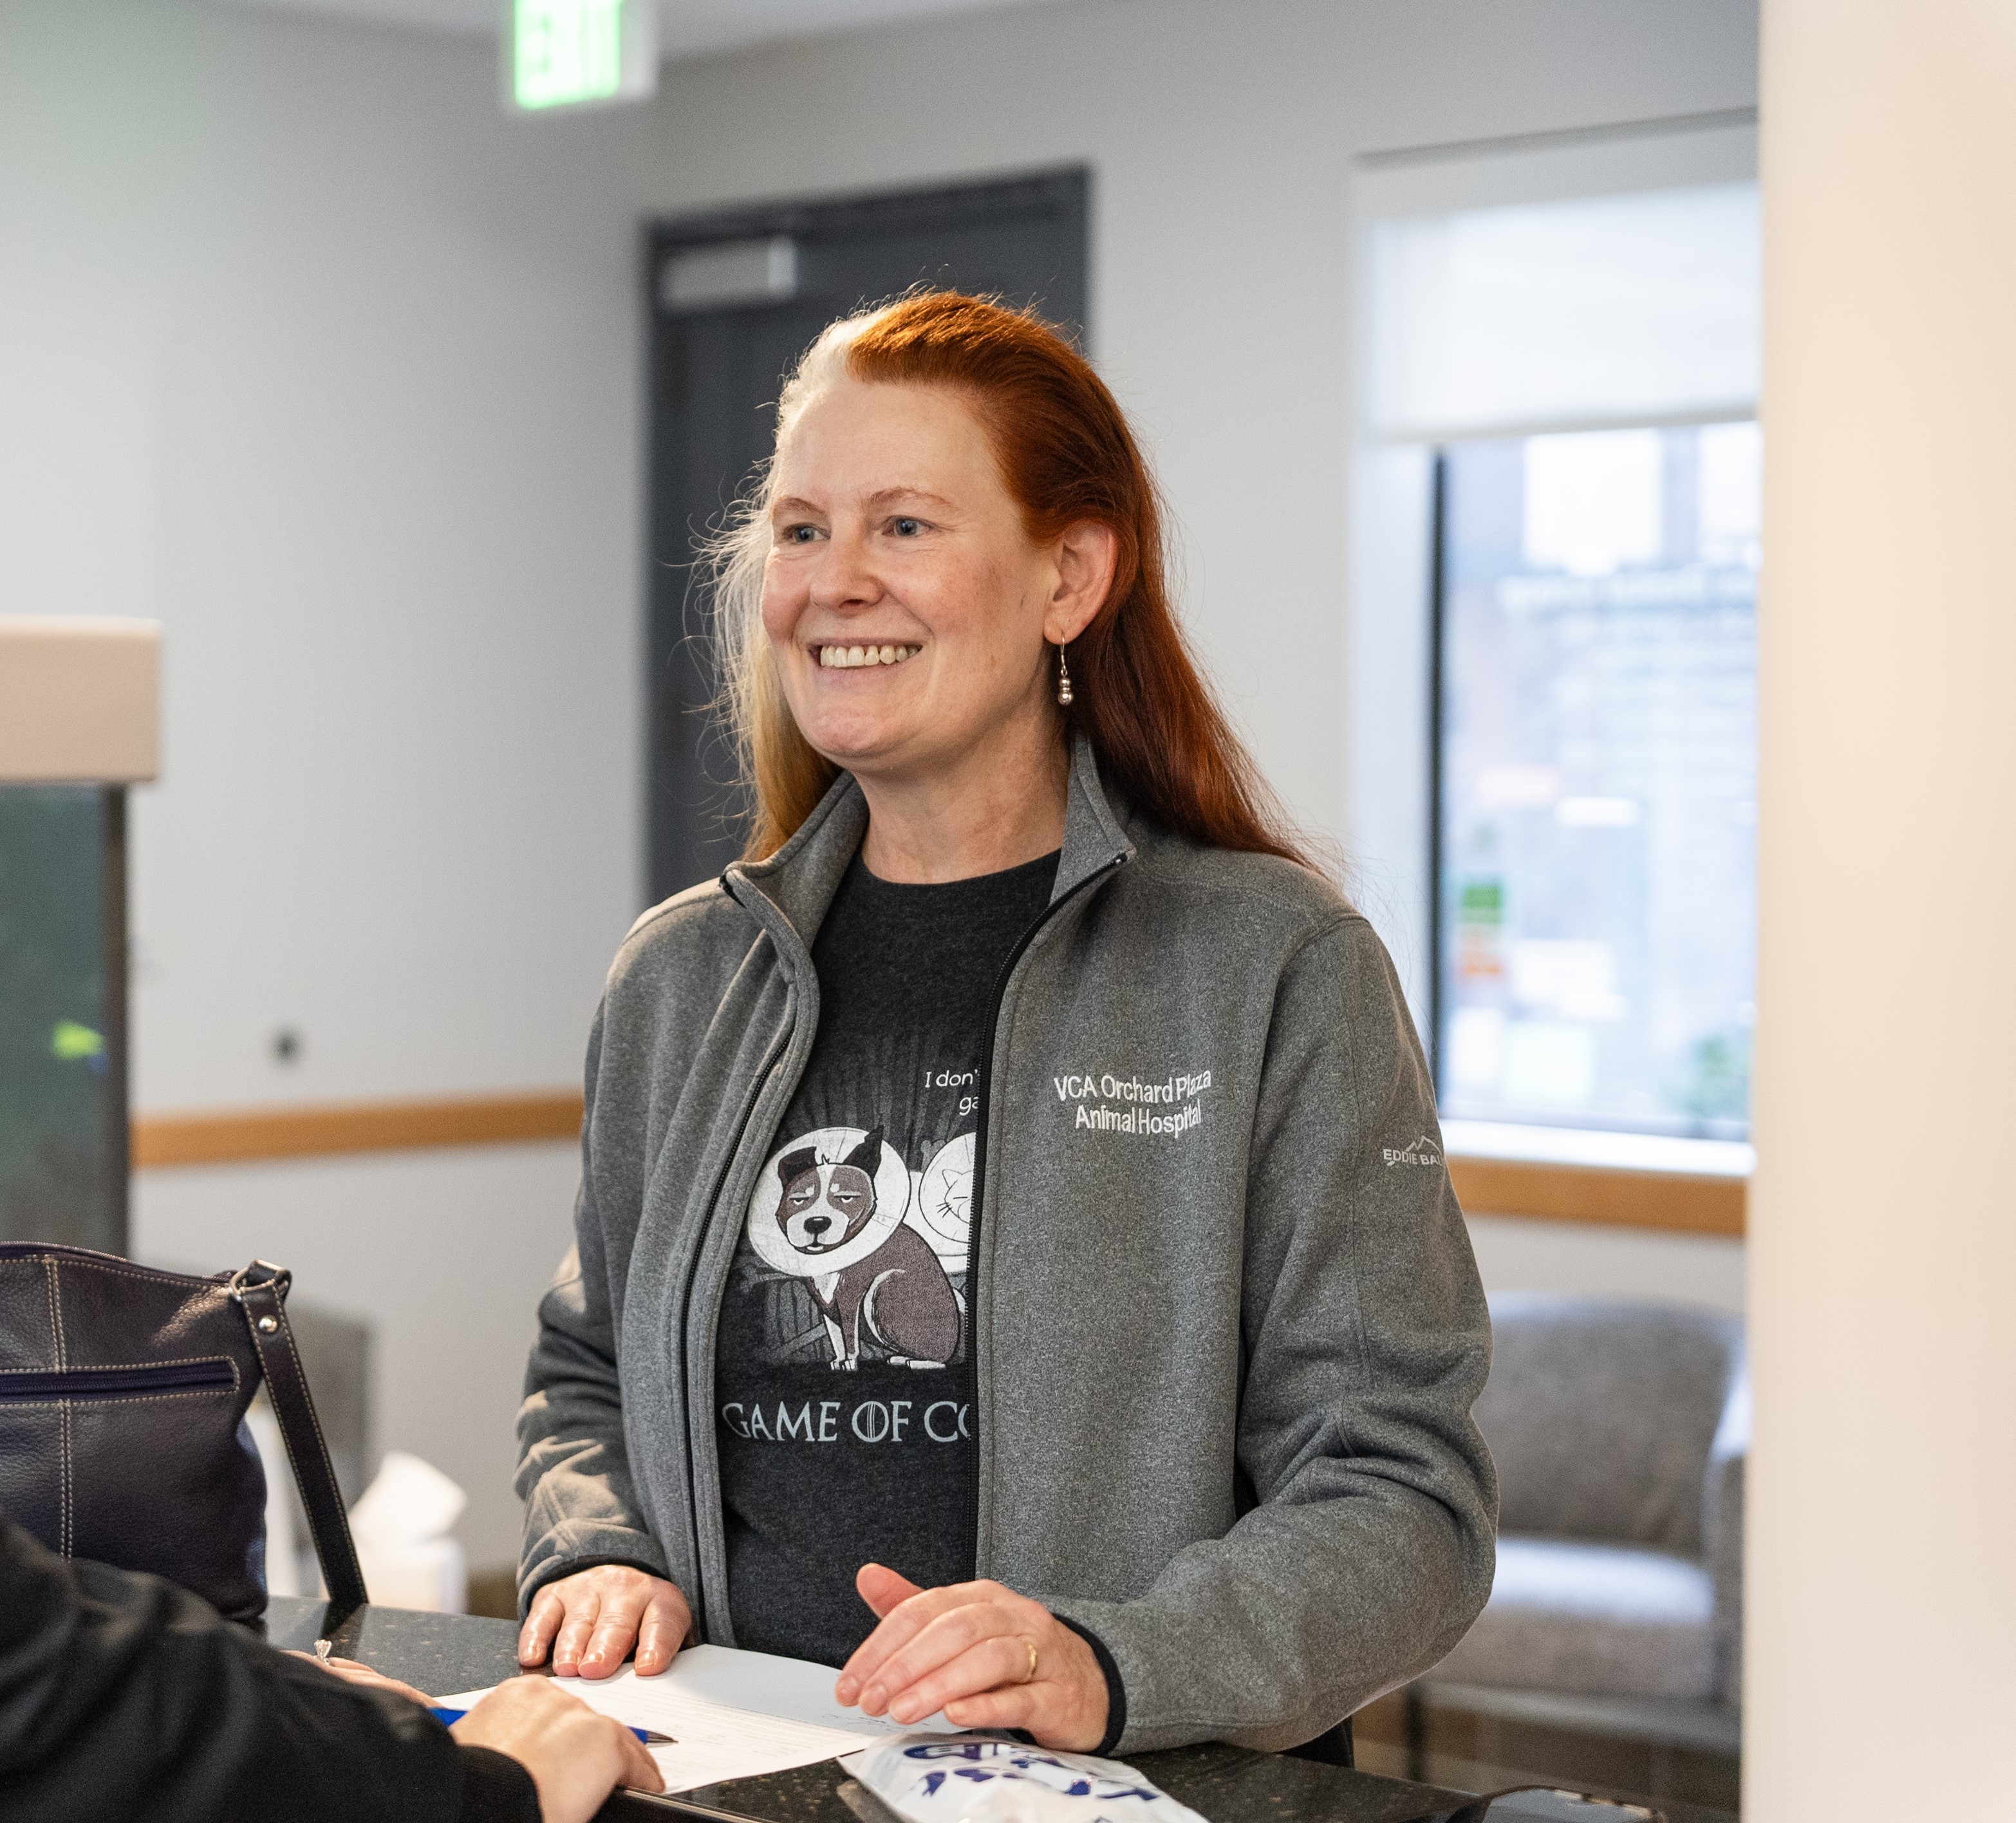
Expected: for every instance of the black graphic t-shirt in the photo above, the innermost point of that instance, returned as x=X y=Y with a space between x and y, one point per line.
x=843 y=1382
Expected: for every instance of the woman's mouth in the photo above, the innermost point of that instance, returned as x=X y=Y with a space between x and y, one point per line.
x=846 y=657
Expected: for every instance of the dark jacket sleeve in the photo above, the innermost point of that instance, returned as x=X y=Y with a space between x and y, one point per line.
x=124 y=1696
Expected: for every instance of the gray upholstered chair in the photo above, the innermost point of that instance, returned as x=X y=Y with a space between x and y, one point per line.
x=1619 y=1429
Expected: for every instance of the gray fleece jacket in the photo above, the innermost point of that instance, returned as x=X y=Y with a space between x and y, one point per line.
x=1226 y=1327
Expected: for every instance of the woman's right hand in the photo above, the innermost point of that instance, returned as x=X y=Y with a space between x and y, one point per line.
x=592 y=1618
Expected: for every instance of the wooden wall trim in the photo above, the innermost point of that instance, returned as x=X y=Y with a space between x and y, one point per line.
x=234 y=1136
x=1486 y=1187
x=1581 y=1193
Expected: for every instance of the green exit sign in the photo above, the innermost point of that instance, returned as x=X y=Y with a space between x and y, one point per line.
x=569 y=53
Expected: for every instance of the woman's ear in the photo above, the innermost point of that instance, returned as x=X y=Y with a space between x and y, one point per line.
x=1086 y=557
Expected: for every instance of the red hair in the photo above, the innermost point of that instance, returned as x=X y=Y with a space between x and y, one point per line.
x=1067 y=456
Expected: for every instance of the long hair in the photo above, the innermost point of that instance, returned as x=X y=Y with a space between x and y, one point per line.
x=1067 y=456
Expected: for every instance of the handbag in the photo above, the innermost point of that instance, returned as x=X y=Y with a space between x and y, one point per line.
x=123 y=1437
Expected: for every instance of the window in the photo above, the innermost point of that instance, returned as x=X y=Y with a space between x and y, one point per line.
x=1596 y=807
x=1555 y=529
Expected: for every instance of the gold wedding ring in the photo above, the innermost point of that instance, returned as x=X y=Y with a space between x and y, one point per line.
x=1031 y=1645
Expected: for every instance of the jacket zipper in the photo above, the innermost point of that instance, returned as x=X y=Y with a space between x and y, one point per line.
x=686 y=1305
x=89 y=1383
x=698 y=1598
x=980 y=1175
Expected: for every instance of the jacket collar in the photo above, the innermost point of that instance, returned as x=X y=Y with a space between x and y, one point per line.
x=1095 y=825
x=794 y=886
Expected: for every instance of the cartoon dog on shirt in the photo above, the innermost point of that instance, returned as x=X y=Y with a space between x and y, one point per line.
x=833 y=1228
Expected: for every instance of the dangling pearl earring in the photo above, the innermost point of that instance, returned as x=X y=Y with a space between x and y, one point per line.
x=1063 y=678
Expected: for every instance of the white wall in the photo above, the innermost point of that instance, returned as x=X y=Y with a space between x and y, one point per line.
x=1881 y=1643
x=317 y=356
x=309 y=351
x=306 y=350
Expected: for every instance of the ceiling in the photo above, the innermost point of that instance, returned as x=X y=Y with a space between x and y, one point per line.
x=689 y=27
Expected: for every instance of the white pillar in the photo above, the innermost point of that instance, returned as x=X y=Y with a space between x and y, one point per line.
x=1882 y=1574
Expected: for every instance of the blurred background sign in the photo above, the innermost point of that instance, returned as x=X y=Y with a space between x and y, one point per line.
x=570 y=53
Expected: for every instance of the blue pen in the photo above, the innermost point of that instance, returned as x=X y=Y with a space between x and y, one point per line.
x=650 y=1737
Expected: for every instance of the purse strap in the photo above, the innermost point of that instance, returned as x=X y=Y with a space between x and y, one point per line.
x=261 y=1292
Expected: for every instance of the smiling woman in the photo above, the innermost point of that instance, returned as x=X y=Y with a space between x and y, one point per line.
x=987 y=1279
x=1035 y=469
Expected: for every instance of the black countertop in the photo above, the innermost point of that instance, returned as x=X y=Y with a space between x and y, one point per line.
x=440 y=1653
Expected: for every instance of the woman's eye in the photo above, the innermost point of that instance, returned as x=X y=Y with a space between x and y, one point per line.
x=800 y=534
x=907 y=528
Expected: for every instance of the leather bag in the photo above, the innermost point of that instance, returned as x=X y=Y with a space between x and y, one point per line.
x=123 y=1437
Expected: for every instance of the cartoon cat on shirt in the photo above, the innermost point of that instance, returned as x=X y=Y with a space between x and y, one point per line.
x=864 y=1266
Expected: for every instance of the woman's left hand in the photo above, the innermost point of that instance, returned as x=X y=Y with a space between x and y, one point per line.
x=988 y=1657
x=351 y=1672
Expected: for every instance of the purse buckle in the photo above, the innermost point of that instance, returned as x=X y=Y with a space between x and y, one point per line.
x=260 y=1273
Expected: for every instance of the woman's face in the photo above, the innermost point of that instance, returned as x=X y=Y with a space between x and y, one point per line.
x=907 y=608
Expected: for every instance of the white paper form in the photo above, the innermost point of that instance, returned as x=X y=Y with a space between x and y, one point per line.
x=731 y=1714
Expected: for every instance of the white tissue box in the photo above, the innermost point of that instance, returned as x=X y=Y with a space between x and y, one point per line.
x=423 y=1572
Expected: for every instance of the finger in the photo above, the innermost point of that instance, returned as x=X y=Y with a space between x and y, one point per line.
x=575 y=1631
x=399 y=1689
x=661 y=1633
x=903 y=1623
x=1018 y=1706
x=615 y=1627
x=356 y=1670
x=352 y=1671
x=942 y=1642
x=609 y=1644
x=884 y=1591
x=640 y=1771
x=998 y=1661
x=542 y=1621
x=883 y=1588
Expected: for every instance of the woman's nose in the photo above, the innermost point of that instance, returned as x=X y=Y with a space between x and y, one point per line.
x=844 y=576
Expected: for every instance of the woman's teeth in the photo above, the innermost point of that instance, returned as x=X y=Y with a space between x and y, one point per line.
x=841 y=658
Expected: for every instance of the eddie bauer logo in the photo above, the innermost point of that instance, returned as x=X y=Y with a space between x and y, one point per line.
x=1423 y=1151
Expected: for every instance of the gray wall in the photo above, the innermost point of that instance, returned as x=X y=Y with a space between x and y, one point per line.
x=319 y=358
